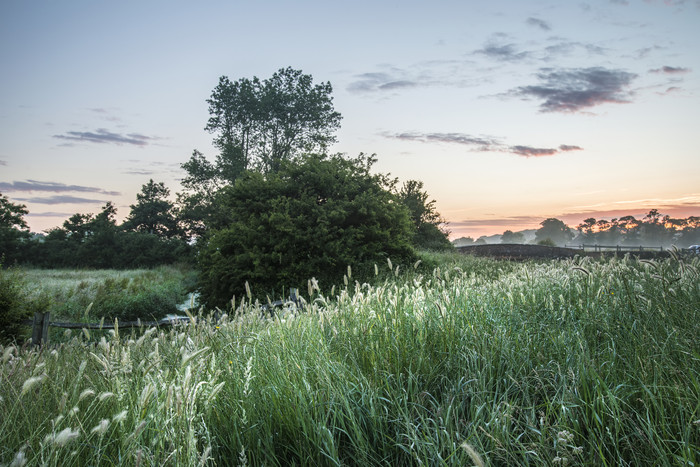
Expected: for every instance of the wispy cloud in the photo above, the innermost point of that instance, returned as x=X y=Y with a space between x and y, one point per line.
x=102 y=135
x=52 y=187
x=60 y=199
x=503 y=52
x=50 y=214
x=671 y=70
x=573 y=90
x=539 y=23
x=481 y=143
x=381 y=81
x=3 y=162
x=391 y=78
x=513 y=221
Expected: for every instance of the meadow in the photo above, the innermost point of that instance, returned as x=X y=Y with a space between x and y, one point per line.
x=467 y=361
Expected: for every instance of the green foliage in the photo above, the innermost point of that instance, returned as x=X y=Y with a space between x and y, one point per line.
x=546 y=242
x=313 y=218
x=429 y=230
x=13 y=304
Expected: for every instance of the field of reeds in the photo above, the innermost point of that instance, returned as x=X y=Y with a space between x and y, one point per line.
x=474 y=362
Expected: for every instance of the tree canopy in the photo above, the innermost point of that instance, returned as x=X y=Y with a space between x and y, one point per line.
x=260 y=123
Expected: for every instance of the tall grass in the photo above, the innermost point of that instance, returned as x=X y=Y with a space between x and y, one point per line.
x=89 y=295
x=573 y=362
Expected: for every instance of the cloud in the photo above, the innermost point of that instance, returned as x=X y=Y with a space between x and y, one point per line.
x=506 y=52
x=3 y=162
x=103 y=136
x=671 y=70
x=480 y=143
x=539 y=23
x=60 y=199
x=50 y=214
x=54 y=187
x=528 y=151
x=572 y=90
x=566 y=147
x=426 y=73
x=502 y=221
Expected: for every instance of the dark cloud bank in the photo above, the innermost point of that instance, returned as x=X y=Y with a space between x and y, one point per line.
x=482 y=143
x=572 y=90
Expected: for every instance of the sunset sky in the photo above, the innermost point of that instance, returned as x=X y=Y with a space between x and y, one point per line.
x=510 y=112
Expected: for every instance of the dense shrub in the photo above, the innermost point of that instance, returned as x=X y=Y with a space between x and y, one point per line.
x=313 y=218
x=13 y=304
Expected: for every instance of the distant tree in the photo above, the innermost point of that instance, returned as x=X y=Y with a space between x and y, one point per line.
x=312 y=218
x=554 y=230
x=463 y=241
x=14 y=231
x=512 y=237
x=153 y=213
x=430 y=231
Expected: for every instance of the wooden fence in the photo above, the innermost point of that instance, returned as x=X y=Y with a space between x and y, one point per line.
x=42 y=321
x=617 y=248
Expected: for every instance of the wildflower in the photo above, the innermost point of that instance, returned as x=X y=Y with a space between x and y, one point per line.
x=19 y=460
x=105 y=395
x=86 y=393
x=120 y=416
x=64 y=437
x=101 y=427
x=31 y=382
x=475 y=457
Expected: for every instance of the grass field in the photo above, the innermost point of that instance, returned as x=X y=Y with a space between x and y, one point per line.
x=478 y=362
x=89 y=295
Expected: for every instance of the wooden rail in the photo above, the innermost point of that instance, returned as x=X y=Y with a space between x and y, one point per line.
x=618 y=248
x=42 y=321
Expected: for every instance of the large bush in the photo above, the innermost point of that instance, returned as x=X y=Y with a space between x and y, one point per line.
x=13 y=304
x=313 y=218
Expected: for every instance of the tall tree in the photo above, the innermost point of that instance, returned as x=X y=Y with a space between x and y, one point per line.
x=262 y=123
x=153 y=213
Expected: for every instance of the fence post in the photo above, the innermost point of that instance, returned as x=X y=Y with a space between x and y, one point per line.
x=40 y=328
x=294 y=297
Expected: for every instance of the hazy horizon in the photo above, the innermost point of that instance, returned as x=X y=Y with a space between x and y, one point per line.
x=509 y=112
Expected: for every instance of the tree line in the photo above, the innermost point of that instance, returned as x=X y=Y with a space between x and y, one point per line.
x=273 y=209
x=654 y=230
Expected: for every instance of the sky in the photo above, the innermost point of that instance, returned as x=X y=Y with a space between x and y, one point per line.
x=510 y=112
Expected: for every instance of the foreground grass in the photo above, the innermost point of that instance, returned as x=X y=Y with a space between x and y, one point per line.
x=572 y=362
